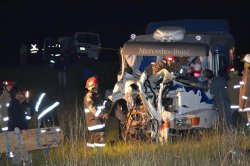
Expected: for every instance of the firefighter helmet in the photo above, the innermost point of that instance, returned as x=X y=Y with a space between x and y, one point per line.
x=247 y=58
x=91 y=83
x=8 y=83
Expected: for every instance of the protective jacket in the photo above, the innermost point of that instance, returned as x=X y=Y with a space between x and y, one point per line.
x=4 y=104
x=93 y=114
x=244 y=96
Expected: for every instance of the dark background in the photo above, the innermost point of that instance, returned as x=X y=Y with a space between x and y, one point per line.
x=32 y=21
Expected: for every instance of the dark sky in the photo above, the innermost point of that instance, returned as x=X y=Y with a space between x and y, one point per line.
x=32 y=21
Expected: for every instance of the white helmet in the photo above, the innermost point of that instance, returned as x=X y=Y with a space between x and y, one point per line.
x=247 y=58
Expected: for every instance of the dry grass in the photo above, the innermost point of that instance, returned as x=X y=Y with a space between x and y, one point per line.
x=211 y=149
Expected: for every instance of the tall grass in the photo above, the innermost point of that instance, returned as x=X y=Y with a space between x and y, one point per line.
x=227 y=148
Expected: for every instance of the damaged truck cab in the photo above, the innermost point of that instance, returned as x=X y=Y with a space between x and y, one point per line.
x=172 y=99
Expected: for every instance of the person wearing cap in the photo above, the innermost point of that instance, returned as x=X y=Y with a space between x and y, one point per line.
x=244 y=95
x=4 y=104
x=94 y=114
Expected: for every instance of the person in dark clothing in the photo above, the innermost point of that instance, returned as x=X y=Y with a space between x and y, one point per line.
x=61 y=67
x=222 y=103
x=16 y=112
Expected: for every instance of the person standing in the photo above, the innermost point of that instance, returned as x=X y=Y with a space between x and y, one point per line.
x=23 y=55
x=4 y=104
x=16 y=112
x=222 y=103
x=94 y=114
x=244 y=95
x=61 y=67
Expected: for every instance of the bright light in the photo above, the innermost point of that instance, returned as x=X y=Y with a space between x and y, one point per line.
x=181 y=70
x=48 y=110
x=198 y=37
x=27 y=94
x=7 y=104
x=82 y=48
x=57 y=54
x=58 y=130
x=133 y=36
x=11 y=155
x=52 y=61
x=43 y=131
x=39 y=101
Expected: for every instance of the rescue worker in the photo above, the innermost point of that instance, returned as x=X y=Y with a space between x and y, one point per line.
x=244 y=95
x=222 y=103
x=94 y=114
x=4 y=104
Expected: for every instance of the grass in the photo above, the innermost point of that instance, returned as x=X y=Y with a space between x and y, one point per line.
x=211 y=149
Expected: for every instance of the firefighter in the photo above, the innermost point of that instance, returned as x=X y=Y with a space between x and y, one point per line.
x=94 y=114
x=217 y=86
x=244 y=95
x=4 y=104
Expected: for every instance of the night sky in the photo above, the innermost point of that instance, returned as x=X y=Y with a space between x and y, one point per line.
x=32 y=21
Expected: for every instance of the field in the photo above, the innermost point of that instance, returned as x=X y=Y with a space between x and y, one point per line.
x=227 y=148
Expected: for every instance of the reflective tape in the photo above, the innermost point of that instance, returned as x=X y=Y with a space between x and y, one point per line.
x=86 y=110
x=90 y=145
x=28 y=117
x=98 y=112
x=236 y=86
x=96 y=127
x=234 y=106
x=244 y=97
x=241 y=82
x=99 y=145
x=5 y=128
x=247 y=109
x=6 y=119
x=7 y=104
